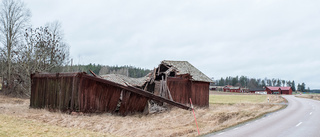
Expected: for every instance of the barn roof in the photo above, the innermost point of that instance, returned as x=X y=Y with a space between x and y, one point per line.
x=285 y=88
x=234 y=88
x=184 y=67
x=273 y=88
x=281 y=88
x=125 y=81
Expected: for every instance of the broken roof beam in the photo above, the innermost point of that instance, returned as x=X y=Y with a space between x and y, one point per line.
x=140 y=92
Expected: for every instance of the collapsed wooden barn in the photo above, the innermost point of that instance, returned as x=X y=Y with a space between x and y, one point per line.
x=80 y=92
x=180 y=81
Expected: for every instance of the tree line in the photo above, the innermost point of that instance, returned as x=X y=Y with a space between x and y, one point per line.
x=25 y=49
x=246 y=82
x=130 y=71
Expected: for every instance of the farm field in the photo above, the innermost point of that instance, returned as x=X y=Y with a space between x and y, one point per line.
x=233 y=99
x=18 y=120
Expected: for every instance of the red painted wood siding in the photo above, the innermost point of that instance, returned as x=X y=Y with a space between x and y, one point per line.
x=183 y=89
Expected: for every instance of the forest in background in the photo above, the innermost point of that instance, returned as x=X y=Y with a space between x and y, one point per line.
x=130 y=71
x=246 y=82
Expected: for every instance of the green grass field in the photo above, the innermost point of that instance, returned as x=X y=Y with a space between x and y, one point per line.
x=232 y=99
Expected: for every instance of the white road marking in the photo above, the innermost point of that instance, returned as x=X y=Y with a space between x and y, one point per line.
x=310 y=113
x=299 y=124
x=235 y=129
x=220 y=133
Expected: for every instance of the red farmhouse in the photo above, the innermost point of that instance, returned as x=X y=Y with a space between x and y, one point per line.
x=286 y=90
x=279 y=90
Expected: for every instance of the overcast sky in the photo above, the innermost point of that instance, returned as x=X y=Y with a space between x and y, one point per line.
x=254 y=38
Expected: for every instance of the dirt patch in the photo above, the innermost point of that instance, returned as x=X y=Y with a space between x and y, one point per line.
x=176 y=122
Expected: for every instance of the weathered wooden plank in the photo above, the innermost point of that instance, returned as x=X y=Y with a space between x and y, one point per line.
x=139 y=91
x=124 y=103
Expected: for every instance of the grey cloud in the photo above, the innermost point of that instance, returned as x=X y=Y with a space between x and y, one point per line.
x=274 y=39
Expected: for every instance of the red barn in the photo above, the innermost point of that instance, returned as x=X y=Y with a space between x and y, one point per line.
x=235 y=89
x=279 y=90
x=227 y=88
x=286 y=90
x=273 y=90
x=180 y=81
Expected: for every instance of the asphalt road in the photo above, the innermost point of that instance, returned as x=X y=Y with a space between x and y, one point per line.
x=300 y=119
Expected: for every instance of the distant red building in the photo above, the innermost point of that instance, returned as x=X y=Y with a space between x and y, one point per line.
x=257 y=90
x=279 y=90
x=227 y=88
x=234 y=89
x=230 y=88
x=286 y=90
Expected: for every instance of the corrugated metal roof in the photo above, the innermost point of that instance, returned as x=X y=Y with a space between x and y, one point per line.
x=184 y=67
x=124 y=80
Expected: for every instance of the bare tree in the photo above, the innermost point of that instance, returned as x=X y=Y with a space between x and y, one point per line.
x=43 y=51
x=55 y=28
x=14 y=17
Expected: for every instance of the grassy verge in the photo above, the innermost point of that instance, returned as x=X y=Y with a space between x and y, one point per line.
x=310 y=96
x=13 y=126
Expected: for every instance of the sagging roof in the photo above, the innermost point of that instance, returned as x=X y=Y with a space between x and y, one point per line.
x=125 y=81
x=184 y=67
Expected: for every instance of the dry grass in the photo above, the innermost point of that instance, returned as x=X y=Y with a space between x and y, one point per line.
x=13 y=126
x=176 y=122
x=311 y=96
x=232 y=99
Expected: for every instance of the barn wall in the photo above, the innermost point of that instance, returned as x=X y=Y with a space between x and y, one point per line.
x=180 y=89
x=200 y=94
x=54 y=93
x=287 y=91
x=183 y=89
x=82 y=94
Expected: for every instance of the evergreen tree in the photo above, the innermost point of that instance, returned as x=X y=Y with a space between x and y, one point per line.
x=303 y=87
x=299 y=87
x=293 y=86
